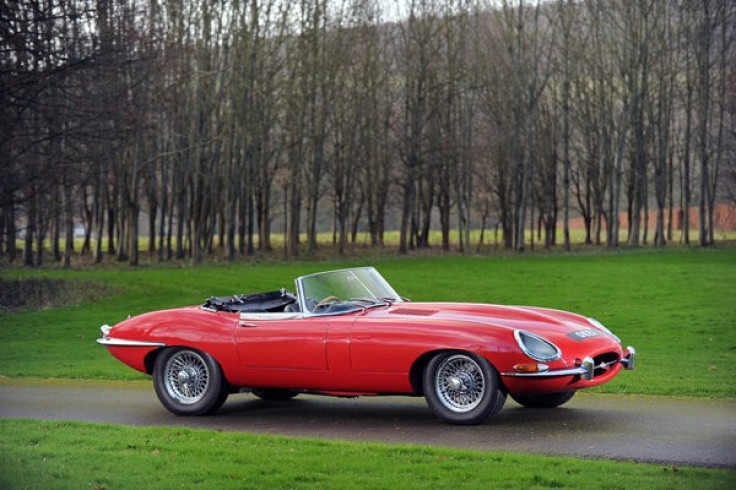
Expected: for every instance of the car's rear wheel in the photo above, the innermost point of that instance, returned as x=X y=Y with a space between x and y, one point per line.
x=189 y=382
x=273 y=394
x=550 y=400
x=462 y=388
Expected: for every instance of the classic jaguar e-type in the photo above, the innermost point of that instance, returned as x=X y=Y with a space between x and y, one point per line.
x=348 y=333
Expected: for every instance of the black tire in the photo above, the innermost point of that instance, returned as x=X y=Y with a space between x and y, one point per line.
x=189 y=382
x=550 y=400
x=462 y=388
x=272 y=394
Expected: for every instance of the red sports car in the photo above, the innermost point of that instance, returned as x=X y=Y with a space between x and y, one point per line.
x=348 y=333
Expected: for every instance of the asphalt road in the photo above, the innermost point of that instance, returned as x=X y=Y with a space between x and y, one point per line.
x=670 y=431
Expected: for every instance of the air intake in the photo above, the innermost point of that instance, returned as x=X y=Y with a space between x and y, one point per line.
x=412 y=312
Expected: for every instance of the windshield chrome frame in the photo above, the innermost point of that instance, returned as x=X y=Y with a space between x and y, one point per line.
x=301 y=297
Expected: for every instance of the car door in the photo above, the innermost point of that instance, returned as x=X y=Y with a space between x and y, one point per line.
x=282 y=341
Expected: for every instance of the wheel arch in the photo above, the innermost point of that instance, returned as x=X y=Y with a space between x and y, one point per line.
x=420 y=364
x=150 y=359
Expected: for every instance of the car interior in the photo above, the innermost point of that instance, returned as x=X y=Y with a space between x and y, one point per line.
x=271 y=302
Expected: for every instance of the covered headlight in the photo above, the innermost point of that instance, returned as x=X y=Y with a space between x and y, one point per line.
x=600 y=326
x=536 y=347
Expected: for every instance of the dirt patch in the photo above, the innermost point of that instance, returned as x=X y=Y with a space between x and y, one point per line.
x=40 y=294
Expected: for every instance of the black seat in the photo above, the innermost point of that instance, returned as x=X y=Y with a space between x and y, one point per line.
x=292 y=308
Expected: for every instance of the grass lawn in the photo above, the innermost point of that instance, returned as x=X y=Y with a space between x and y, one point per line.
x=675 y=307
x=75 y=455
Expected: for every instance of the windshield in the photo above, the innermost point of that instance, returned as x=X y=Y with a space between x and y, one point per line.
x=344 y=291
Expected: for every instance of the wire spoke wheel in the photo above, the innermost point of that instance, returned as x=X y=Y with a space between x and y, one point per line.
x=186 y=377
x=460 y=383
x=462 y=387
x=189 y=382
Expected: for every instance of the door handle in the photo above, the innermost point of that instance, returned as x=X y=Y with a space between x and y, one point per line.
x=248 y=325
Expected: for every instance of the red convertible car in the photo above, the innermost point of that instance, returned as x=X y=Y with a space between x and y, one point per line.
x=348 y=333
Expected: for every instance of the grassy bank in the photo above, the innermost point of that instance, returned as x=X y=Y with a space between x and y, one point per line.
x=76 y=455
x=675 y=307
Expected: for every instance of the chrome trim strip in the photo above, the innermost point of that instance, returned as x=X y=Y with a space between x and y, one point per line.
x=585 y=371
x=337 y=313
x=301 y=299
x=128 y=343
x=576 y=371
x=261 y=317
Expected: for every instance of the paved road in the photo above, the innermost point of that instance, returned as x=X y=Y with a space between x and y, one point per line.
x=681 y=431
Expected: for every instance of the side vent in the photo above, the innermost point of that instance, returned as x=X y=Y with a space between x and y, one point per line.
x=412 y=312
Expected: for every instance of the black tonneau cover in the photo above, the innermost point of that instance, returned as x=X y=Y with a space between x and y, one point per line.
x=271 y=302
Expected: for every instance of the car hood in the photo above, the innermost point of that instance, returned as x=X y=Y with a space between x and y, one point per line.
x=549 y=323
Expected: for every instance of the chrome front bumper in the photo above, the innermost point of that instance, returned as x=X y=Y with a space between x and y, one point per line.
x=586 y=370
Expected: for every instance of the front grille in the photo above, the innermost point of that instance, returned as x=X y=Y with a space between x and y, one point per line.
x=604 y=362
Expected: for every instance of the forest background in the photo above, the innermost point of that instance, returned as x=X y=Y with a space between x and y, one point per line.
x=206 y=128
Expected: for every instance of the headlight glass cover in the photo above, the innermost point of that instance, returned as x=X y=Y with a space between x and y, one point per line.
x=536 y=347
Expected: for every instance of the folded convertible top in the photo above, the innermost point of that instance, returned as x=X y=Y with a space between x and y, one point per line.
x=252 y=303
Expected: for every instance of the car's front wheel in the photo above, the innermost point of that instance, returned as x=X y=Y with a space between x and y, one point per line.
x=550 y=400
x=189 y=382
x=462 y=388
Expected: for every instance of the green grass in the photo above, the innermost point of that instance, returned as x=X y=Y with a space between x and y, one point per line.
x=675 y=307
x=36 y=454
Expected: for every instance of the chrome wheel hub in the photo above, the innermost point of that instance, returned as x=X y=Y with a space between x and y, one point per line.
x=186 y=377
x=183 y=377
x=460 y=383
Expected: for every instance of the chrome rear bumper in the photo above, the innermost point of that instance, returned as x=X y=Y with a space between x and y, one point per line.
x=128 y=343
x=109 y=341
